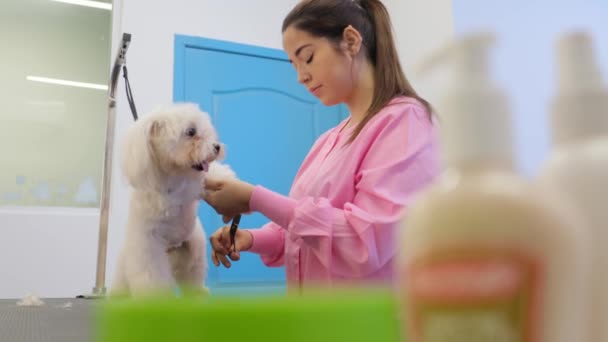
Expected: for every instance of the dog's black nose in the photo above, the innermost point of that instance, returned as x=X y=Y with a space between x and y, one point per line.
x=216 y=147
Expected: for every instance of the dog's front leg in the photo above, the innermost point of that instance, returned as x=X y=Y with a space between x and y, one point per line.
x=149 y=270
x=189 y=263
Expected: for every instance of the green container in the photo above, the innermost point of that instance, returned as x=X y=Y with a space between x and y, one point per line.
x=338 y=316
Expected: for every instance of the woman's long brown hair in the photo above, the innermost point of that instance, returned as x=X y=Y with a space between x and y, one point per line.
x=329 y=18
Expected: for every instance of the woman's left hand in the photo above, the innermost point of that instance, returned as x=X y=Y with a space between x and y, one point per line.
x=229 y=197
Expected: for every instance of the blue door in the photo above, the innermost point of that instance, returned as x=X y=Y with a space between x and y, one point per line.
x=268 y=122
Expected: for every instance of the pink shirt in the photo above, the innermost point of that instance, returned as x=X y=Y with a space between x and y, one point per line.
x=339 y=223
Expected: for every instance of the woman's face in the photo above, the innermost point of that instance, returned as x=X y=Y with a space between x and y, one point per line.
x=322 y=68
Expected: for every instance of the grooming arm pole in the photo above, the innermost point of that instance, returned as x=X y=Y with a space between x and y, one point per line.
x=100 y=277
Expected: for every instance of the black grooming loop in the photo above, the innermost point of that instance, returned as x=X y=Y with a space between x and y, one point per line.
x=129 y=92
x=121 y=63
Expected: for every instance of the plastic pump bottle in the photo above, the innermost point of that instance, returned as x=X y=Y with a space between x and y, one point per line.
x=483 y=255
x=577 y=166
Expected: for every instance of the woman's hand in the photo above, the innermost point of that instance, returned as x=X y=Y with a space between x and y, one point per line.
x=229 y=197
x=222 y=248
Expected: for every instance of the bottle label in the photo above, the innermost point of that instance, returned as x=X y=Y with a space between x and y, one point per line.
x=480 y=297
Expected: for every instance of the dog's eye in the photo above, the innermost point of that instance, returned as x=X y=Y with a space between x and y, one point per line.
x=191 y=132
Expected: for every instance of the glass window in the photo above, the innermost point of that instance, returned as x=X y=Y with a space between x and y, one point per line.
x=55 y=70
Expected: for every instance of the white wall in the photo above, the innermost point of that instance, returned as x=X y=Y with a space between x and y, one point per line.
x=150 y=56
x=47 y=252
x=421 y=27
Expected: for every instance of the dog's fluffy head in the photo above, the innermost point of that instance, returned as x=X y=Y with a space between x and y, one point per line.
x=175 y=140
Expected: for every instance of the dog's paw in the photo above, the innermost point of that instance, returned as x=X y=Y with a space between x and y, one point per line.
x=218 y=171
x=195 y=291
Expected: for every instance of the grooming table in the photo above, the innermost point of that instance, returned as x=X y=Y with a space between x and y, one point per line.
x=51 y=322
x=322 y=317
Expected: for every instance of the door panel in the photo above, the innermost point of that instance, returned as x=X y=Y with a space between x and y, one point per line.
x=267 y=121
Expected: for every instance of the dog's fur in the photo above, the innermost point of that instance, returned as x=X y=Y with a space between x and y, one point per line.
x=166 y=158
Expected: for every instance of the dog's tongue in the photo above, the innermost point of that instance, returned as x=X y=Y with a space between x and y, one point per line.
x=202 y=166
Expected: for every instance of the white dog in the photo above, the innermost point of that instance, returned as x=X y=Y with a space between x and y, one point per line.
x=167 y=156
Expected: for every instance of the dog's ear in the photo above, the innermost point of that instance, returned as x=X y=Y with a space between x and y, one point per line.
x=155 y=128
x=138 y=153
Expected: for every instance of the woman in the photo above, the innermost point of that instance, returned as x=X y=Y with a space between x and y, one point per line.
x=339 y=223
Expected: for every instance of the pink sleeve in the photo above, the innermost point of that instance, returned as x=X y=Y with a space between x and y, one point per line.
x=359 y=238
x=269 y=243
